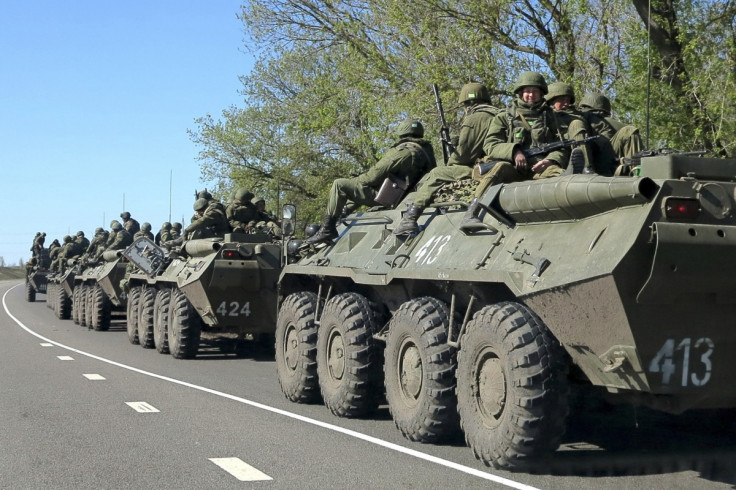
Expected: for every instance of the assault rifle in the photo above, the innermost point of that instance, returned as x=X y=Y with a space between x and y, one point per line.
x=447 y=146
x=539 y=151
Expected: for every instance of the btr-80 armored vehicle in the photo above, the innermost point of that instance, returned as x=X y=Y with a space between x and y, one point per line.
x=210 y=288
x=97 y=291
x=37 y=272
x=59 y=292
x=624 y=284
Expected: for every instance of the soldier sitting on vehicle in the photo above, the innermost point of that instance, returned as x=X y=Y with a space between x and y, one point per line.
x=624 y=138
x=175 y=230
x=408 y=160
x=119 y=237
x=265 y=221
x=211 y=222
x=131 y=225
x=241 y=212
x=145 y=231
x=164 y=234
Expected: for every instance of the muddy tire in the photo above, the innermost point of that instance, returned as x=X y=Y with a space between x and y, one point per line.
x=296 y=348
x=512 y=387
x=161 y=308
x=348 y=357
x=145 y=318
x=185 y=327
x=420 y=372
x=133 y=308
x=30 y=292
x=101 y=308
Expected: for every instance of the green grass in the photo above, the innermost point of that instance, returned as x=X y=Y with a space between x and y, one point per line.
x=8 y=273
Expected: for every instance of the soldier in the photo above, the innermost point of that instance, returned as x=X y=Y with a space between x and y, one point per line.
x=409 y=159
x=211 y=221
x=145 y=231
x=475 y=99
x=130 y=224
x=598 y=155
x=527 y=122
x=54 y=249
x=175 y=230
x=241 y=214
x=625 y=139
x=164 y=234
x=81 y=243
x=95 y=245
x=59 y=263
x=38 y=241
x=264 y=220
x=119 y=237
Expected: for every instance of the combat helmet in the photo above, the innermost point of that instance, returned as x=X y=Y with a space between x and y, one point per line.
x=176 y=225
x=204 y=194
x=67 y=238
x=243 y=195
x=596 y=101
x=531 y=79
x=125 y=215
x=166 y=225
x=146 y=226
x=410 y=127
x=200 y=204
x=472 y=92
x=99 y=230
x=116 y=226
x=558 y=89
x=256 y=200
x=80 y=233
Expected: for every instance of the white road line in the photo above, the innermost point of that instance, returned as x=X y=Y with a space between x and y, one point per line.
x=240 y=469
x=93 y=377
x=65 y=358
x=142 y=407
x=46 y=344
x=351 y=433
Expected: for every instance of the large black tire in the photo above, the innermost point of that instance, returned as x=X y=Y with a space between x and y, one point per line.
x=161 y=308
x=30 y=292
x=145 y=318
x=296 y=348
x=88 y=293
x=348 y=357
x=420 y=372
x=185 y=327
x=50 y=296
x=101 y=308
x=75 y=304
x=133 y=307
x=512 y=387
x=64 y=304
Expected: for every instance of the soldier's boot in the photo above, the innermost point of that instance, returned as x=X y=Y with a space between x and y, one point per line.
x=577 y=163
x=327 y=231
x=408 y=223
x=470 y=217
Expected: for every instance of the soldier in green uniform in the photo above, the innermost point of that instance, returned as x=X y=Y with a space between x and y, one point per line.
x=409 y=159
x=131 y=225
x=119 y=237
x=526 y=123
x=175 y=230
x=475 y=99
x=164 y=234
x=241 y=212
x=211 y=220
x=54 y=249
x=265 y=221
x=59 y=263
x=625 y=139
x=145 y=231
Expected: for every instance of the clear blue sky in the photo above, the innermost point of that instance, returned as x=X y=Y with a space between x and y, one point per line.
x=95 y=101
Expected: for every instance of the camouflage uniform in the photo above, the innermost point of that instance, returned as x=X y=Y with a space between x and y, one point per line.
x=625 y=139
x=131 y=225
x=241 y=214
x=211 y=223
x=119 y=238
x=175 y=230
x=164 y=234
x=145 y=231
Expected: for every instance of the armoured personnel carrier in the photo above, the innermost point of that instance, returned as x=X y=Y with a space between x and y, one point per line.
x=97 y=292
x=208 y=288
x=622 y=285
x=37 y=275
x=60 y=288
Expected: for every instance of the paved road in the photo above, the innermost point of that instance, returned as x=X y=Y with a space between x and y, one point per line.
x=85 y=409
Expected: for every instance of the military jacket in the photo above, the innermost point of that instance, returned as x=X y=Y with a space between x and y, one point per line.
x=212 y=223
x=602 y=124
x=409 y=158
x=473 y=131
x=121 y=240
x=132 y=226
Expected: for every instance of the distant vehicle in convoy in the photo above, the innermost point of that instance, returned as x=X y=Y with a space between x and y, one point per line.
x=97 y=292
x=620 y=285
x=214 y=288
x=37 y=275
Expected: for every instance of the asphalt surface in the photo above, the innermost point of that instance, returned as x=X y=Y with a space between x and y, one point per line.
x=85 y=409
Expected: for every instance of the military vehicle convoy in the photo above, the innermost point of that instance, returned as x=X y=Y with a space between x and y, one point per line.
x=622 y=285
x=210 y=288
x=59 y=292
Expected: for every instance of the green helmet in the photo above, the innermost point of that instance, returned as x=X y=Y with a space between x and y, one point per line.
x=531 y=79
x=116 y=226
x=176 y=226
x=166 y=225
x=243 y=195
x=558 y=89
x=125 y=215
x=200 y=204
x=80 y=233
x=67 y=238
x=597 y=101
x=472 y=92
x=146 y=226
x=99 y=231
x=204 y=194
x=256 y=200
x=410 y=127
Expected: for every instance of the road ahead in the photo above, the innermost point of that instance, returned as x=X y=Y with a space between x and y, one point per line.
x=86 y=409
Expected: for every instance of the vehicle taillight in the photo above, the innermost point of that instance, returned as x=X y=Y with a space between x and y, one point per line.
x=230 y=254
x=678 y=208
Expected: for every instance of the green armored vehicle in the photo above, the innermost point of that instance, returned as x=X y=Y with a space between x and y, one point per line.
x=97 y=291
x=622 y=285
x=59 y=292
x=37 y=272
x=209 y=288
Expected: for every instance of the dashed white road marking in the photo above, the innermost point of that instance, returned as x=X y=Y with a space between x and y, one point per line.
x=65 y=358
x=93 y=377
x=142 y=407
x=294 y=416
x=46 y=344
x=240 y=469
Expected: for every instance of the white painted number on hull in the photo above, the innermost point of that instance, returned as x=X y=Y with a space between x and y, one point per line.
x=233 y=309
x=431 y=250
x=691 y=359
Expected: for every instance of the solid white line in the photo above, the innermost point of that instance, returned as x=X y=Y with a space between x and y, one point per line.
x=142 y=407
x=240 y=469
x=373 y=440
x=93 y=377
